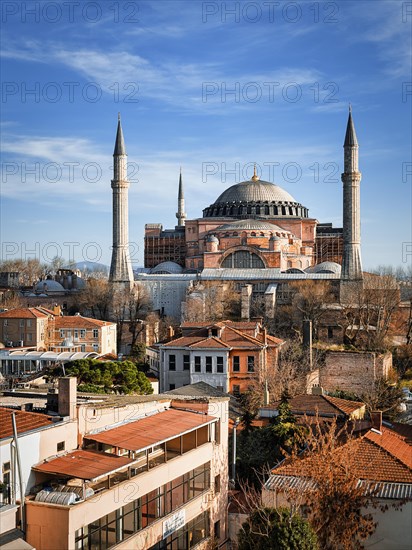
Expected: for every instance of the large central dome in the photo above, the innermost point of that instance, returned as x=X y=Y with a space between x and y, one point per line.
x=255 y=199
x=255 y=191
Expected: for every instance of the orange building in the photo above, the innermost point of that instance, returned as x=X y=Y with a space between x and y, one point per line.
x=25 y=327
x=227 y=355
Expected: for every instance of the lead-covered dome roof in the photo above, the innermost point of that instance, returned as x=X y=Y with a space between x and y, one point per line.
x=255 y=191
x=252 y=225
x=255 y=198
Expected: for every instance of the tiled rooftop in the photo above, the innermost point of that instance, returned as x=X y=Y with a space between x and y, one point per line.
x=25 y=421
x=322 y=405
x=24 y=313
x=344 y=405
x=231 y=336
x=381 y=456
x=77 y=321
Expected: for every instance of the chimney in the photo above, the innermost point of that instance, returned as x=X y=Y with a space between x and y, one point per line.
x=266 y=395
x=376 y=420
x=264 y=335
x=170 y=332
x=67 y=396
x=307 y=340
x=317 y=389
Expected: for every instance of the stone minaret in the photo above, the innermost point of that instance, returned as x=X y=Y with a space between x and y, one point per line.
x=121 y=272
x=351 y=177
x=181 y=214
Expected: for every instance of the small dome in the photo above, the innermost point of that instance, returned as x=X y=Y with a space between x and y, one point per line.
x=49 y=286
x=168 y=268
x=212 y=239
x=325 y=267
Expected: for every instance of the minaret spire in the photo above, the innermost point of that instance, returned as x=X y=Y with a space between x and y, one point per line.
x=119 y=146
x=351 y=177
x=181 y=214
x=121 y=267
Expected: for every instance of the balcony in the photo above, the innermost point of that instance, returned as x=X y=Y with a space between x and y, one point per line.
x=110 y=458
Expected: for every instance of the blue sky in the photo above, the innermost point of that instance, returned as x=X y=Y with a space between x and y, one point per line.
x=209 y=86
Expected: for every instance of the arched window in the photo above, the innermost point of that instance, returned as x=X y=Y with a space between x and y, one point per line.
x=267 y=210
x=257 y=210
x=243 y=259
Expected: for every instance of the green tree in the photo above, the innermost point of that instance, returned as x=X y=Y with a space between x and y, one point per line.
x=276 y=529
x=106 y=376
x=260 y=449
x=289 y=434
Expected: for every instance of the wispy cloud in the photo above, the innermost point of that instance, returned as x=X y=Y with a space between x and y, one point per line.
x=182 y=85
x=386 y=25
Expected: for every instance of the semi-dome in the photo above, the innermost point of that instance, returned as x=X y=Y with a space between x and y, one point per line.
x=255 y=199
x=251 y=225
x=325 y=267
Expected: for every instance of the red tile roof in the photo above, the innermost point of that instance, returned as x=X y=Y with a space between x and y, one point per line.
x=152 y=430
x=376 y=457
x=403 y=430
x=25 y=421
x=212 y=342
x=344 y=405
x=77 y=321
x=322 y=405
x=23 y=313
x=233 y=334
x=84 y=464
x=393 y=444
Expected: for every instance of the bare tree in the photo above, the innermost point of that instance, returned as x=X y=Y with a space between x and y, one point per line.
x=291 y=374
x=213 y=300
x=309 y=301
x=96 y=299
x=130 y=307
x=30 y=270
x=367 y=319
x=335 y=503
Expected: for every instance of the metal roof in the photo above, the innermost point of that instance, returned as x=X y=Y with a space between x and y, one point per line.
x=251 y=224
x=153 y=430
x=281 y=483
x=262 y=274
x=386 y=489
x=47 y=355
x=87 y=465
x=398 y=491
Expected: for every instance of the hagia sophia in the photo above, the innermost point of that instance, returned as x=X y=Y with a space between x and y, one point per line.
x=254 y=233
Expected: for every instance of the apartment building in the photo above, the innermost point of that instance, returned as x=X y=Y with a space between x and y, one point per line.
x=227 y=355
x=149 y=472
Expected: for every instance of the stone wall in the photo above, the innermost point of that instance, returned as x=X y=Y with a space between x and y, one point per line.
x=353 y=371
